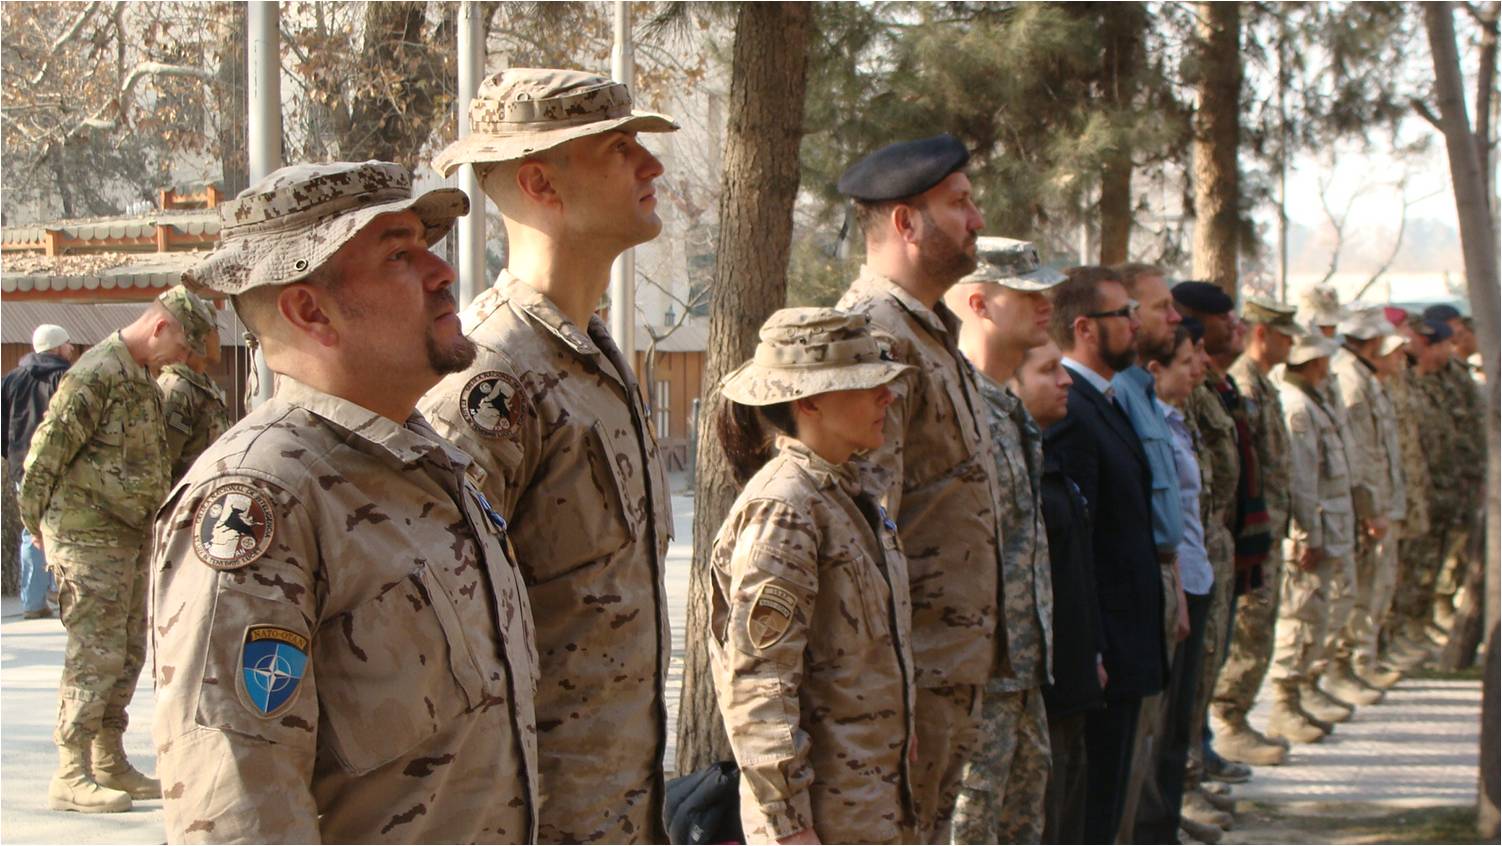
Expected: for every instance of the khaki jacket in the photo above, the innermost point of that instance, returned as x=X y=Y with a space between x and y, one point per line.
x=1320 y=482
x=193 y=408
x=1371 y=435
x=342 y=644
x=555 y=417
x=939 y=485
x=97 y=467
x=810 y=652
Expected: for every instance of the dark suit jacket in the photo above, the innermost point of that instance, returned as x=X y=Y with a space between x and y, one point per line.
x=1076 y=607
x=1099 y=450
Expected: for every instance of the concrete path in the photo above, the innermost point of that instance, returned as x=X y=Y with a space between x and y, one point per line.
x=1418 y=748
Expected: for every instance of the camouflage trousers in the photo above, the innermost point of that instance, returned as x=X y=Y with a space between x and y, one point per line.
x=947 y=721
x=1314 y=606
x=1456 y=566
x=1421 y=560
x=102 y=594
x=1002 y=788
x=1251 y=648
x=1222 y=549
x=1376 y=578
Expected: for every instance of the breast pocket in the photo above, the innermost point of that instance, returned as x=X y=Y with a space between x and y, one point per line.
x=393 y=671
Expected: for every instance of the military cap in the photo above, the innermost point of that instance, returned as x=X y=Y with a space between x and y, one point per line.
x=194 y=314
x=1320 y=306
x=905 y=169
x=1309 y=346
x=1012 y=264
x=809 y=351
x=1442 y=312
x=286 y=226
x=1432 y=331
x=1274 y=315
x=519 y=112
x=1203 y=297
x=1195 y=328
x=48 y=336
x=1365 y=324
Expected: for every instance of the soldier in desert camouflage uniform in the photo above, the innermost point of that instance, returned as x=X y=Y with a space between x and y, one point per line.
x=809 y=639
x=192 y=405
x=343 y=644
x=1003 y=313
x=552 y=410
x=95 y=473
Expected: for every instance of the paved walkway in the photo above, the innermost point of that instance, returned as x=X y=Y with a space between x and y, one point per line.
x=1418 y=748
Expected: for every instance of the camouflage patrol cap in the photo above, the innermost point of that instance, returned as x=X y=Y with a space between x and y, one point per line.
x=522 y=111
x=283 y=228
x=195 y=315
x=1309 y=346
x=809 y=351
x=1268 y=313
x=1012 y=264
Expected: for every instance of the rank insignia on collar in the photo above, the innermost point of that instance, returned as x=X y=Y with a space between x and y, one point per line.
x=272 y=662
x=233 y=527
x=492 y=403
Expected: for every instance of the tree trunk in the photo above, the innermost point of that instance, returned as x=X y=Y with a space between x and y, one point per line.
x=758 y=187
x=1217 y=138
x=234 y=163
x=1123 y=24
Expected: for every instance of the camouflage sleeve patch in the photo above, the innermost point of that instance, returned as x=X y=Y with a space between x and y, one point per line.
x=771 y=615
x=233 y=527
x=492 y=403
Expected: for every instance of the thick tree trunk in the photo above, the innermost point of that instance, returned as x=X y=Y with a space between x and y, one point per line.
x=758 y=187
x=1217 y=138
x=1123 y=24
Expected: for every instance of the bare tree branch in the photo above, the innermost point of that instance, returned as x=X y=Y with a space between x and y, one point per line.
x=68 y=35
x=1425 y=112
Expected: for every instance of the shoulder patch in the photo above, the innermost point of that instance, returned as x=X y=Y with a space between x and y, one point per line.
x=771 y=615
x=272 y=662
x=492 y=404
x=233 y=527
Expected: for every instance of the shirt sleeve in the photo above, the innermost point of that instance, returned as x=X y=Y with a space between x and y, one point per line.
x=72 y=417
x=1303 y=481
x=1369 y=452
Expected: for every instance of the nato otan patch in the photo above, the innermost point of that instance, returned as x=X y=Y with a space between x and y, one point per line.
x=492 y=403
x=272 y=662
x=233 y=527
x=771 y=615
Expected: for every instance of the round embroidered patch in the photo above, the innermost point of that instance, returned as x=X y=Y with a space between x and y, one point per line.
x=771 y=615
x=492 y=404
x=233 y=527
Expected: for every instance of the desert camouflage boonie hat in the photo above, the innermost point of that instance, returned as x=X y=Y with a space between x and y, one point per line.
x=286 y=226
x=522 y=111
x=1320 y=306
x=809 y=351
x=1012 y=264
x=1309 y=346
x=1372 y=323
x=195 y=315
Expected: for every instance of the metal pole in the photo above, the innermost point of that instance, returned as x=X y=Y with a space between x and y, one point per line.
x=264 y=57
x=623 y=271
x=472 y=278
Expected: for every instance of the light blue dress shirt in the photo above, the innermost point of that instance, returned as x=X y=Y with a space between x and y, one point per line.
x=1134 y=392
x=1194 y=561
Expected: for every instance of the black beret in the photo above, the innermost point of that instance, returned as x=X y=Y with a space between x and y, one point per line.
x=1195 y=328
x=1203 y=297
x=1442 y=312
x=903 y=170
x=1433 y=331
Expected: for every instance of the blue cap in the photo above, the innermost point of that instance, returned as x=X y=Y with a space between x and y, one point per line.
x=903 y=170
x=1442 y=312
x=1432 y=330
x=1203 y=297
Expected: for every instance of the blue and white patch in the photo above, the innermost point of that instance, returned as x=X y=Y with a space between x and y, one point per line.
x=272 y=663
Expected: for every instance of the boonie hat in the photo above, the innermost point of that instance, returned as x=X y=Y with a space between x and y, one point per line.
x=286 y=226
x=1320 y=306
x=1369 y=323
x=1311 y=345
x=521 y=111
x=195 y=315
x=808 y=351
x=48 y=336
x=905 y=169
x=1012 y=264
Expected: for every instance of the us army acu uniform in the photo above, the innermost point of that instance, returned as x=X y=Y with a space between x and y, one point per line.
x=1250 y=651
x=193 y=407
x=1003 y=786
x=343 y=644
x=942 y=492
x=1376 y=494
x=553 y=413
x=1320 y=506
x=95 y=474
x=809 y=630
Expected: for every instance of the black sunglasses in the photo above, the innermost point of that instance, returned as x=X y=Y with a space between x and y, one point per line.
x=1125 y=311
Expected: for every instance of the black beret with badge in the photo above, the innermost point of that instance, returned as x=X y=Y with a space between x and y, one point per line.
x=905 y=169
x=1203 y=297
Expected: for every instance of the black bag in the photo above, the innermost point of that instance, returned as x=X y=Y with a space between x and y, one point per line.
x=705 y=806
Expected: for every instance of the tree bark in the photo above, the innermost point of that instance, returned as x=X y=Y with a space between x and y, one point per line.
x=1123 y=24
x=759 y=184
x=1217 y=138
x=234 y=162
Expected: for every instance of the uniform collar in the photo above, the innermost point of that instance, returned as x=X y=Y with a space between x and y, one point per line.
x=545 y=312
x=116 y=345
x=938 y=319
x=847 y=476
x=193 y=377
x=407 y=444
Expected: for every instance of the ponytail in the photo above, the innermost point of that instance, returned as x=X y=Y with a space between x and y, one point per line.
x=744 y=435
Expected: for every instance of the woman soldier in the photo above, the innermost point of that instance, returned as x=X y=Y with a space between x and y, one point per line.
x=811 y=619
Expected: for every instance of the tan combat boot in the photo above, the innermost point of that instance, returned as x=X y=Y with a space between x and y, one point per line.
x=1289 y=721
x=1321 y=705
x=1378 y=676
x=111 y=769
x=1344 y=683
x=73 y=789
x=1235 y=740
x=1195 y=806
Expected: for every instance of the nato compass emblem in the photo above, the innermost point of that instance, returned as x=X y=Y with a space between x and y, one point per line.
x=272 y=662
x=492 y=403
